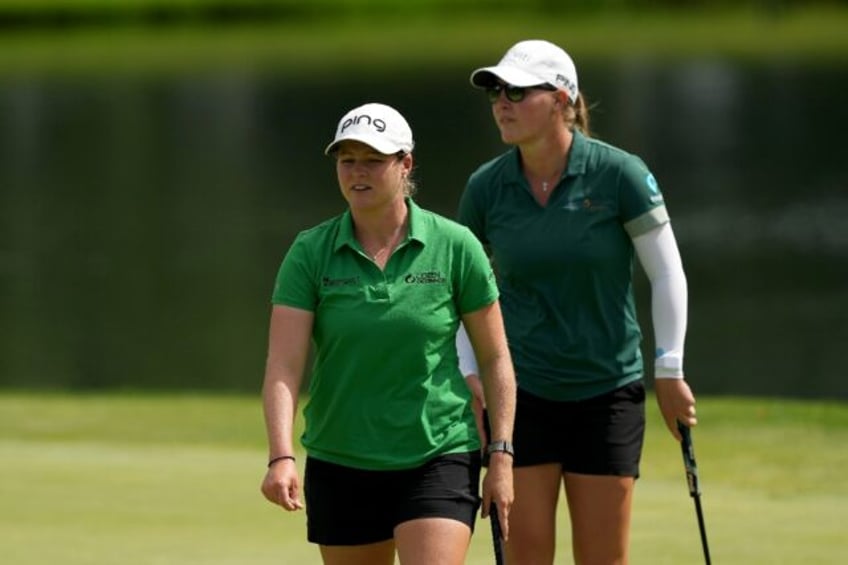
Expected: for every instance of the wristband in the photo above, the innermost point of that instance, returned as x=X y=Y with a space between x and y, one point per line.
x=280 y=458
x=500 y=446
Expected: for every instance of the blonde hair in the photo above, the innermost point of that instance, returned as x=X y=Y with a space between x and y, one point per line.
x=410 y=186
x=577 y=115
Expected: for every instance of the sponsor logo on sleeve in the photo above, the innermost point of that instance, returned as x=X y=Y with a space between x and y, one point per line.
x=654 y=188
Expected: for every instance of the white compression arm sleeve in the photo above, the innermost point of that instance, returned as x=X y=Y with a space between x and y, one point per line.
x=659 y=256
x=467 y=360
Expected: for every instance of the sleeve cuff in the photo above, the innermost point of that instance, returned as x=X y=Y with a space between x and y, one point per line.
x=669 y=366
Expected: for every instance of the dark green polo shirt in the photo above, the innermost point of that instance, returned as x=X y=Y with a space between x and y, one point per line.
x=565 y=269
x=385 y=389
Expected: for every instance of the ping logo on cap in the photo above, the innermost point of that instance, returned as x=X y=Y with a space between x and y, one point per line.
x=378 y=124
x=517 y=56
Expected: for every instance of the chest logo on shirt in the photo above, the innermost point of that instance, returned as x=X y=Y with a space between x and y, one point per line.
x=347 y=281
x=427 y=277
x=584 y=204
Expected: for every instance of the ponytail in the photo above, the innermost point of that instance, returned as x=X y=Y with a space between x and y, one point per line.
x=579 y=117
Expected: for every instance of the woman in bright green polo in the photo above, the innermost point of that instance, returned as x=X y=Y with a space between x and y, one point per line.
x=393 y=454
x=564 y=216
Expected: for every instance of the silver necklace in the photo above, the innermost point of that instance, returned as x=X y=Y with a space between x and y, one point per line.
x=546 y=184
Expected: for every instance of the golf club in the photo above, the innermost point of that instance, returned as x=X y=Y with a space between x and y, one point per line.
x=692 y=480
x=497 y=535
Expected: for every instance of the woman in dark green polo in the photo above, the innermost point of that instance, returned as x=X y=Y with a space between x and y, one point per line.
x=563 y=216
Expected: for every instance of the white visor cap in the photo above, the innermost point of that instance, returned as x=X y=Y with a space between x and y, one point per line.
x=377 y=125
x=531 y=63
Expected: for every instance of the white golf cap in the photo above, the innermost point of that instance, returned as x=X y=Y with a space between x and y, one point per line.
x=531 y=63
x=380 y=126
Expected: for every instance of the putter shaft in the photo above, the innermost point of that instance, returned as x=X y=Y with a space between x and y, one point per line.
x=692 y=481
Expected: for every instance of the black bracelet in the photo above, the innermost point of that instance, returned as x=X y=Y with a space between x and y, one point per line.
x=280 y=458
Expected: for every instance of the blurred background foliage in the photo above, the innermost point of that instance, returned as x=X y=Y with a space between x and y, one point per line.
x=158 y=156
x=318 y=36
x=158 y=11
x=67 y=35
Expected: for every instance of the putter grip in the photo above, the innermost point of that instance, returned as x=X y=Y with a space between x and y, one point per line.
x=689 y=459
x=497 y=535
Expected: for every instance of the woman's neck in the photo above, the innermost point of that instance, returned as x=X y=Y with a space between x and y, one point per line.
x=380 y=231
x=545 y=159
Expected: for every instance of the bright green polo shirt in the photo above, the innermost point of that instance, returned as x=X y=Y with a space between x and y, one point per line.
x=385 y=389
x=565 y=269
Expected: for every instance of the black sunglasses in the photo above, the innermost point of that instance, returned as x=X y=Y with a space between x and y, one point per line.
x=513 y=93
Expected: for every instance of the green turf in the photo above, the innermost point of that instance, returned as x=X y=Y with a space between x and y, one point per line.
x=173 y=479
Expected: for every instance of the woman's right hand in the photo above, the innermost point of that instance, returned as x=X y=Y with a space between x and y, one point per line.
x=282 y=485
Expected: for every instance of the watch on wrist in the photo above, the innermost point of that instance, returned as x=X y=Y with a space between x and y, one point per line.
x=500 y=446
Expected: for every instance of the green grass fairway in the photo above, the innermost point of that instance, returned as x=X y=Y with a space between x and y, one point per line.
x=174 y=479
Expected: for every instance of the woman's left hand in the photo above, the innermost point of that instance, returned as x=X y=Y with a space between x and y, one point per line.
x=676 y=402
x=498 y=489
